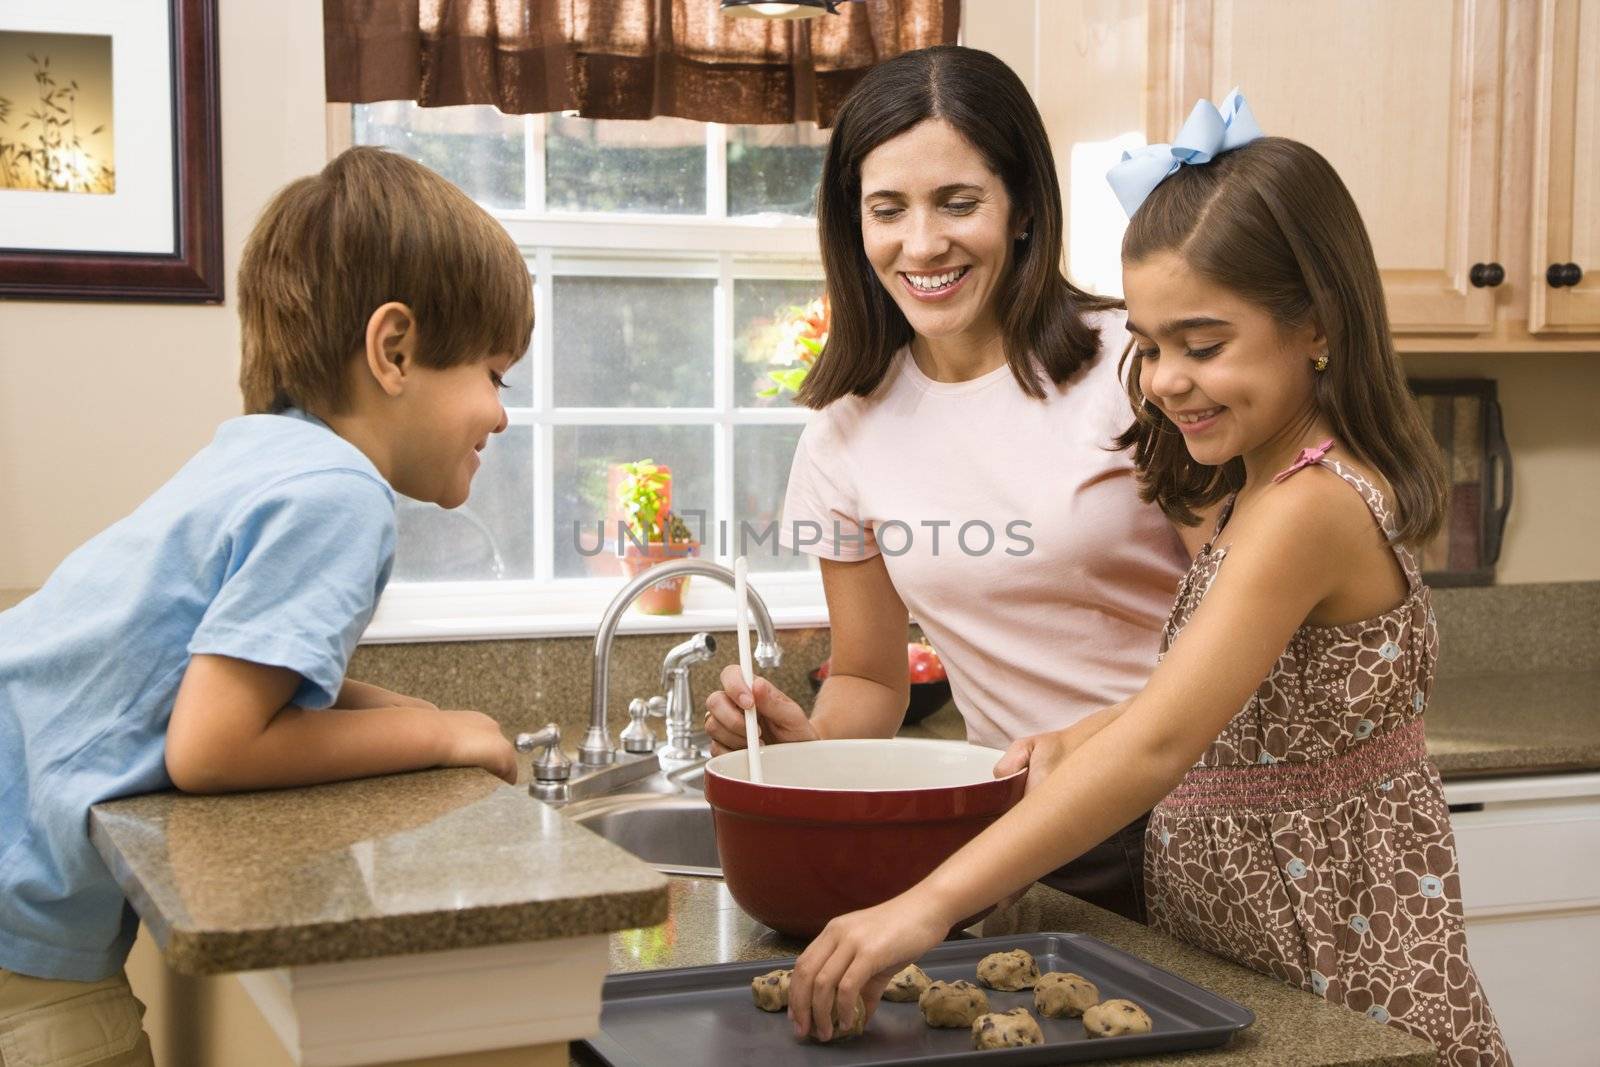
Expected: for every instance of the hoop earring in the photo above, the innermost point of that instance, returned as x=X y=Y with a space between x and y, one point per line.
x=1320 y=364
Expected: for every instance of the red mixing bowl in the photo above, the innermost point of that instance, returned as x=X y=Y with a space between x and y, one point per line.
x=841 y=825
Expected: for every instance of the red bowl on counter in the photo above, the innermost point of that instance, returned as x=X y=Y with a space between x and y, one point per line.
x=843 y=825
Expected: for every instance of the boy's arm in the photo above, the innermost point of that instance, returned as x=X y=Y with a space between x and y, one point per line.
x=232 y=729
x=354 y=695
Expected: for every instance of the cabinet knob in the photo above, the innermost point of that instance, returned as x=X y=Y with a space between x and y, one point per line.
x=1563 y=275
x=1486 y=275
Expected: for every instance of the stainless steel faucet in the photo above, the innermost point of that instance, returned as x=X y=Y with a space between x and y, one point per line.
x=597 y=750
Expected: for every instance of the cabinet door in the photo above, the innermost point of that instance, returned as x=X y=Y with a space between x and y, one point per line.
x=1402 y=98
x=1566 y=175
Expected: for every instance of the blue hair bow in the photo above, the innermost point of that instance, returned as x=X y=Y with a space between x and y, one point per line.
x=1208 y=132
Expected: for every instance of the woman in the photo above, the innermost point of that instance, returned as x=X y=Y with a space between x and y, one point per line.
x=961 y=465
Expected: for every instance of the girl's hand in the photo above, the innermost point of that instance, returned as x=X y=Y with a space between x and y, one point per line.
x=781 y=719
x=473 y=739
x=855 y=956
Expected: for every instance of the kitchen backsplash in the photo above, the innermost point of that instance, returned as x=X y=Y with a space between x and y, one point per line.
x=524 y=684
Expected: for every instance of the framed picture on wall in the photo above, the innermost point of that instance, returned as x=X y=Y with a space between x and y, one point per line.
x=110 y=150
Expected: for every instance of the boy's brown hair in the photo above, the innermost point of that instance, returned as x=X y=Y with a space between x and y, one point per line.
x=332 y=248
x=1272 y=222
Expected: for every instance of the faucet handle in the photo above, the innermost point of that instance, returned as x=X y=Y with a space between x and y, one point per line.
x=638 y=738
x=552 y=765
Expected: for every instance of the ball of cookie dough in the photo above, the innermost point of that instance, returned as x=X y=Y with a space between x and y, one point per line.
x=1115 y=1018
x=1009 y=971
x=952 y=1004
x=1009 y=1029
x=1064 y=995
x=856 y=1028
x=771 y=990
x=907 y=985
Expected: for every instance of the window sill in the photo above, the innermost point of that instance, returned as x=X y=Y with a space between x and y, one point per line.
x=485 y=611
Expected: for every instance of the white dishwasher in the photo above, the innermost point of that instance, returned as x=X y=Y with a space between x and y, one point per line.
x=1530 y=886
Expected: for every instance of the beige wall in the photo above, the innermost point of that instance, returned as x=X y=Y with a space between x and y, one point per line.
x=100 y=403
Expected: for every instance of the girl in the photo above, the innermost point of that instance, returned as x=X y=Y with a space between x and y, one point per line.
x=1303 y=832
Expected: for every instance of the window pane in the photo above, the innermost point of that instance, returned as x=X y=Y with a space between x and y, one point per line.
x=774 y=168
x=762 y=457
x=655 y=167
x=583 y=459
x=769 y=322
x=633 y=342
x=475 y=146
x=488 y=537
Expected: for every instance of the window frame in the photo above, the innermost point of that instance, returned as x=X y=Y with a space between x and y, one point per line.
x=727 y=250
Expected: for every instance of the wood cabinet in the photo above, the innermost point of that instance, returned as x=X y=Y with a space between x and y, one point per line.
x=1566 y=176
x=1528 y=849
x=1468 y=132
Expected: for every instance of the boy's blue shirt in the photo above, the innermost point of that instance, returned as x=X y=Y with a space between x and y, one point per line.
x=271 y=545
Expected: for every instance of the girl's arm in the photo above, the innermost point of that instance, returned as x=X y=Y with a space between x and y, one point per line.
x=868 y=683
x=1275 y=574
x=233 y=728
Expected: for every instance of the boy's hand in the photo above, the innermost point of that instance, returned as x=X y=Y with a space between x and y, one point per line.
x=473 y=739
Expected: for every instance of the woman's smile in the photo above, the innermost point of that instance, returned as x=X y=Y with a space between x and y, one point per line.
x=935 y=285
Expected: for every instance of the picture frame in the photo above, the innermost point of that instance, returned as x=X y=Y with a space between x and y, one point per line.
x=122 y=206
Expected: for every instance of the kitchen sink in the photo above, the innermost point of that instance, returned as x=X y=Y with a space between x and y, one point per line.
x=670 y=831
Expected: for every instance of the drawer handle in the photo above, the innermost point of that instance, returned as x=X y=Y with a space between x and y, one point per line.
x=1563 y=275
x=1486 y=275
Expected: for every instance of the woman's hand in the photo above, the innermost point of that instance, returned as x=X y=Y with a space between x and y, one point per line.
x=1040 y=753
x=781 y=719
x=855 y=956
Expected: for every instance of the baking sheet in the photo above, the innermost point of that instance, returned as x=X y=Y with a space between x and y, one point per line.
x=705 y=1015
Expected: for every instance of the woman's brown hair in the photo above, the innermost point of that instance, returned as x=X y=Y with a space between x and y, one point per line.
x=332 y=248
x=1272 y=222
x=983 y=100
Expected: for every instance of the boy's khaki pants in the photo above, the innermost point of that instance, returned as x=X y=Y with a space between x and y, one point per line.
x=45 y=1023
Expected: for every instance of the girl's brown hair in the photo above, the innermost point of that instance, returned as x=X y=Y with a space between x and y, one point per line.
x=1042 y=315
x=332 y=248
x=1272 y=222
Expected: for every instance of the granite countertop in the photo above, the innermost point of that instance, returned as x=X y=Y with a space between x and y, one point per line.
x=402 y=864
x=1292 y=1028
x=1479 y=725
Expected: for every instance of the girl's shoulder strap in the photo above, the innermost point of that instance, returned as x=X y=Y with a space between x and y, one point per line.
x=1370 y=493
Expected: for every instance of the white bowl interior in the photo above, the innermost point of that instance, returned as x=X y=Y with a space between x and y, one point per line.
x=873 y=765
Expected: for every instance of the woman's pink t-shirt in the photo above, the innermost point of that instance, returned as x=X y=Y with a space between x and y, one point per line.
x=1013 y=534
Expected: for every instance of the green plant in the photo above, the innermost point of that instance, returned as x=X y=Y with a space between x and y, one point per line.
x=641 y=495
x=794 y=341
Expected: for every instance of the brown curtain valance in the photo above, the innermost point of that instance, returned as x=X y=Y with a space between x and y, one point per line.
x=618 y=59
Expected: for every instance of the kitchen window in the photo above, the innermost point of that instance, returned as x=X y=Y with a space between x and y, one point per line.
x=669 y=259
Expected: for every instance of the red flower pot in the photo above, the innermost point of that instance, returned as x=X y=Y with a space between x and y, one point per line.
x=665 y=597
x=843 y=825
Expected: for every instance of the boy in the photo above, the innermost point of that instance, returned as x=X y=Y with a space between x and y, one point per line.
x=202 y=641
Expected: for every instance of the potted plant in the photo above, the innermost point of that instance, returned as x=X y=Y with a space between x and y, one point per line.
x=793 y=343
x=651 y=533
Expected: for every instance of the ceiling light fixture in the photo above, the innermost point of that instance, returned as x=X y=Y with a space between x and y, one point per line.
x=767 y=9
